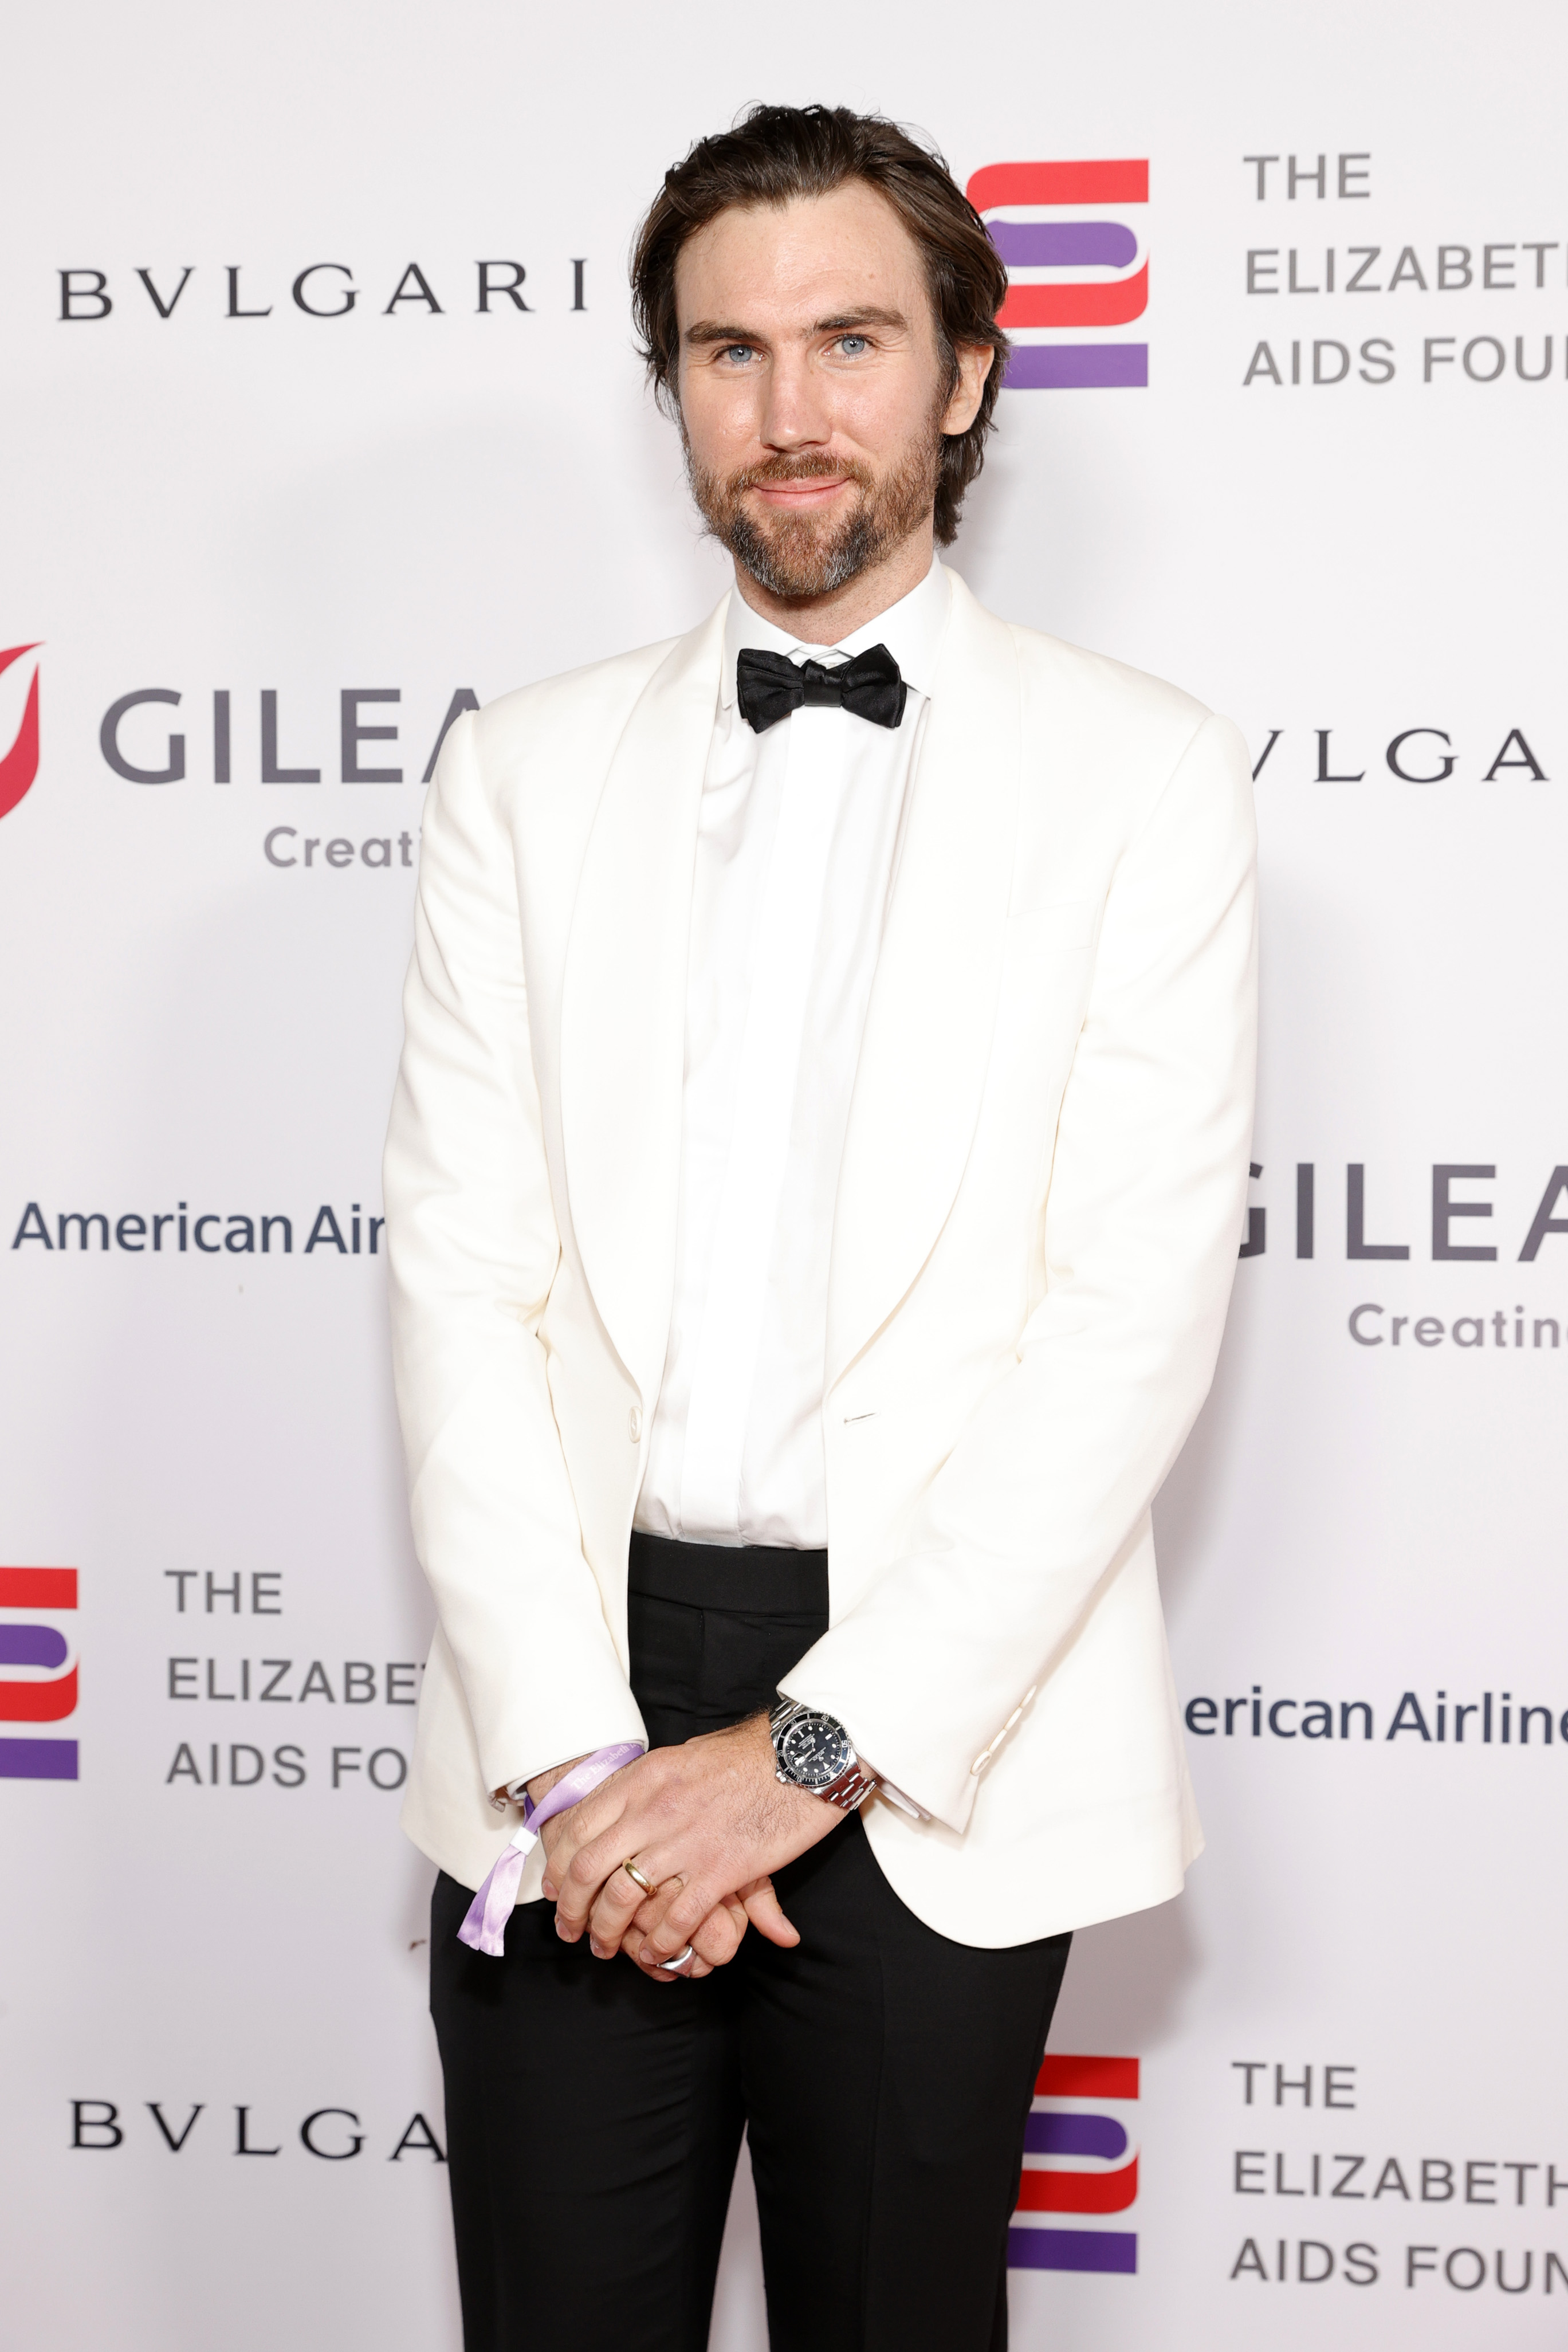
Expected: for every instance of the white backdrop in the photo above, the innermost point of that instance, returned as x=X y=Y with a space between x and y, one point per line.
x=1341 y=538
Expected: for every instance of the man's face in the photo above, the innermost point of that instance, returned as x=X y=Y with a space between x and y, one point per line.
x=813 y=393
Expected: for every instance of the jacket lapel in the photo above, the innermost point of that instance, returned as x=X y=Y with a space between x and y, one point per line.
x=933 y=1003
x=624 y=999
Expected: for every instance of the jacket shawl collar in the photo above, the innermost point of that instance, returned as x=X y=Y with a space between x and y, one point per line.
x=933 y=1003
x=624 y=1003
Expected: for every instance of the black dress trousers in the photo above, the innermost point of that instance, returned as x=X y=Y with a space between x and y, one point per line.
x=884 y=2072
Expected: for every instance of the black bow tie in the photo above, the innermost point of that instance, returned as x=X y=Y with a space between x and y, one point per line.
x=770 y=686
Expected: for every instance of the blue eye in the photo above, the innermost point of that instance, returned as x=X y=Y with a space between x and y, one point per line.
x=854 y=345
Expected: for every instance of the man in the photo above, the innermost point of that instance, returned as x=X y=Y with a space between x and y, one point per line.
x=813 y=1190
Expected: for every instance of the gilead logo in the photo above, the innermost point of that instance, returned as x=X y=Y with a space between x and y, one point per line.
x=19 y=765
x=1075 y=259
x=37 y=1669
x=1080 y=2159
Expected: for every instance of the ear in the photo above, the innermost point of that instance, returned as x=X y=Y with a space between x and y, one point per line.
x=975 y=363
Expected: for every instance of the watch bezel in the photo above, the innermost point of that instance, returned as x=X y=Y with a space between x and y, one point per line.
x=790 y=1719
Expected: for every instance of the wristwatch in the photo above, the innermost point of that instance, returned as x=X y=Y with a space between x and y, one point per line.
x=814 y=1752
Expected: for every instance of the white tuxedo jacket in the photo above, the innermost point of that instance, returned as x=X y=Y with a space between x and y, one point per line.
x=1037 y=1227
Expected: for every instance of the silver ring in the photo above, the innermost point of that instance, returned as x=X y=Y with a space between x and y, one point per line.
x=678 y=1962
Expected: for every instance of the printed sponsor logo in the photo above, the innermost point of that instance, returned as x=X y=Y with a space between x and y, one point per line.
x=37 y=1669
x=1381 y=1223
x=255 y=1681
x=332 y=2134
x=1080 y=2159
x=214 y=1233
x=19 y=765
x=1071 y=236
x=322 y=289
x=1289 y=2166
x=140 y=743
x=1438 y=1719
x=1308 y=256
x=1414 y=755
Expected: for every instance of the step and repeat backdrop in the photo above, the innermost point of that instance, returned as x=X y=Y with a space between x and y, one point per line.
x=321 y=424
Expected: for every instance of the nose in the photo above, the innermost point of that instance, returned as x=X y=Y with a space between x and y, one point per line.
x=796 y=413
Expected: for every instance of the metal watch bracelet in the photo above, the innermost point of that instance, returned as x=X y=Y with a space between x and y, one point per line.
x=852 y=1786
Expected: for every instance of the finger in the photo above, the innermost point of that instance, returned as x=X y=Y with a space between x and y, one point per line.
x=654 y=1909
x=693 y=1966
x=550 y=1838
x=561 y=1848
x=579 y=1885
x=688 y=1966
x=593 y=1865
x=631 y=1945
x=717 y=1940
x=682 y=1921
x=596 y=1817
x=735 y=1910
x=762 y=1907
x=618 y=1903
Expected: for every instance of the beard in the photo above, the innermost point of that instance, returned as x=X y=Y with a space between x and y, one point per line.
x=801 y=555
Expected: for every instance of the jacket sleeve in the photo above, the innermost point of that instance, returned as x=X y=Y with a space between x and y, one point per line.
x=1032 y=1509
x=473 y=1250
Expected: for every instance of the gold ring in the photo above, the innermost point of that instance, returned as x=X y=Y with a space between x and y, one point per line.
x=635 y=1875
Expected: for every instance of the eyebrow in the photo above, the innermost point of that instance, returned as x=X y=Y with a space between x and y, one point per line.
x=866 y=318
x=709 y=331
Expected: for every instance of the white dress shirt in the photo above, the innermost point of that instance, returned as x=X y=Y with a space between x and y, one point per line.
x=797 y=844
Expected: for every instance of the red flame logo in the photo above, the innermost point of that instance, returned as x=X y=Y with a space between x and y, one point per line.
x=20 y=764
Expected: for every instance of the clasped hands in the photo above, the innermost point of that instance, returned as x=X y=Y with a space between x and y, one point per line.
x=706 y=1825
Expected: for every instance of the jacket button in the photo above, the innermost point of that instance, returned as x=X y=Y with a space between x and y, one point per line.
x=634 y=1423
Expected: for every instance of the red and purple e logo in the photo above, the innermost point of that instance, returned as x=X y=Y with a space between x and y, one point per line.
x=37 y=1669
x=19 y=765
x=1081 y=2158
x=1075 y=259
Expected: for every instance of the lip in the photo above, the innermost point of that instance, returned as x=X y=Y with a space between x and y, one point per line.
x=816 y=491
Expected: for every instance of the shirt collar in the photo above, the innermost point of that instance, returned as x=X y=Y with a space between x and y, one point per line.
x=910 y=630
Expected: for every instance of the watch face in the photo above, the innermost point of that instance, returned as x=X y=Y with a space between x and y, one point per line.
x=814 y=1751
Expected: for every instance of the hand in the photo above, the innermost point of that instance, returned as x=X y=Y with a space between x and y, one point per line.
x=698 y=1820
x=716 y=1942
x=539 y=1787
x=542 y=1783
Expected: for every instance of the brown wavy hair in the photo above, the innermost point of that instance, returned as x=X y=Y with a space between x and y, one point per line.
x=775 y=154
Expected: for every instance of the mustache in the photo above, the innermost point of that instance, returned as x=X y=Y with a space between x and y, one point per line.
x=808 y=466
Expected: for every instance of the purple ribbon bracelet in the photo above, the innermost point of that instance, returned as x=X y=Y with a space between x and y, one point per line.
x=485 y=1928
